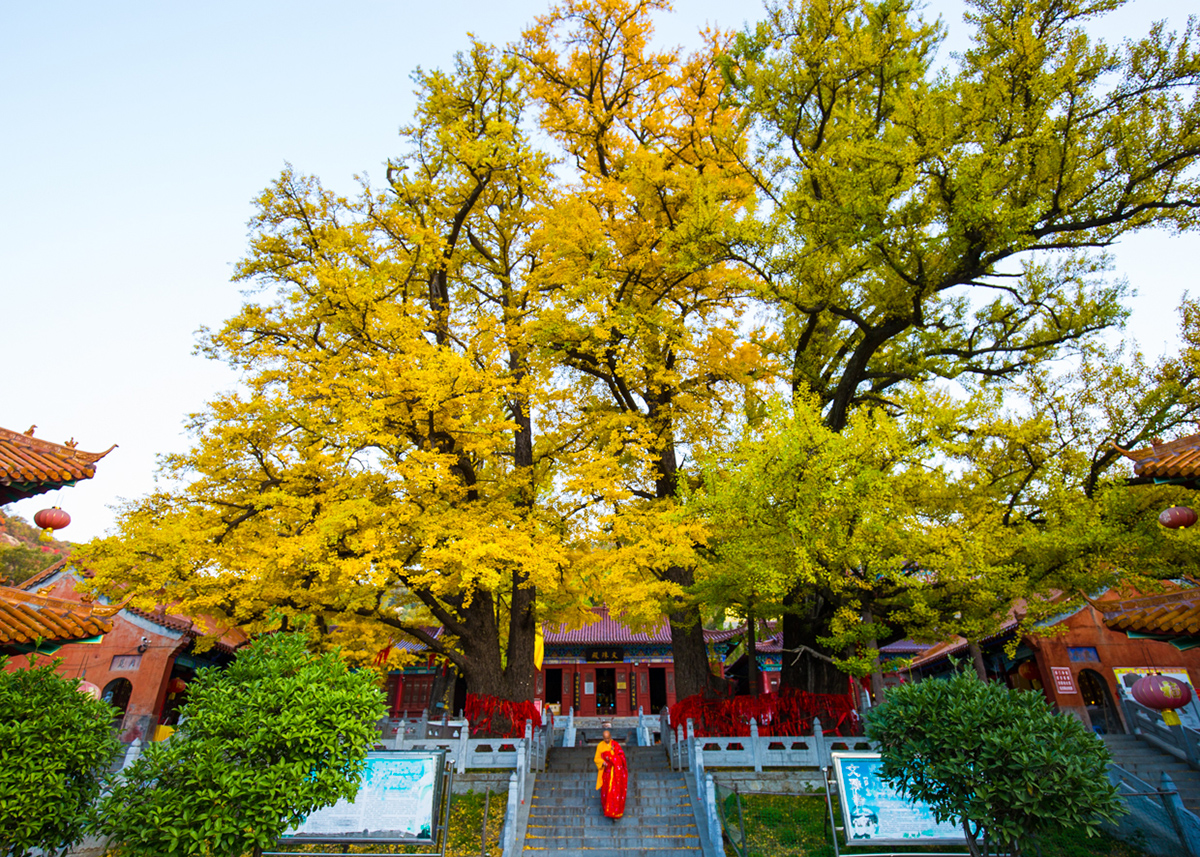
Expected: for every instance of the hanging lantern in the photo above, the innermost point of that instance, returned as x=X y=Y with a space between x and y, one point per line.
x=177 y=685
x=50 y=520
x=86 y=687
x=1177 y=517
x=1028 y=670
x=1161 y=692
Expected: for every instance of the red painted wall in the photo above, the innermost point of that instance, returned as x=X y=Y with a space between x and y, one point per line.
x=1086 y=629
x=94 y=662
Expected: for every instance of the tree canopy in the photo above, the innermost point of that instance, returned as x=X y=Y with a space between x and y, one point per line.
x=513 y=380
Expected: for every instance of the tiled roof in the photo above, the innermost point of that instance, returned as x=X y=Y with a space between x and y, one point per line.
x=26 y=616
x=607 y=631
x=228 y=639
x=769 y=642
x=31 y=466
x=30 y=583
x=958 y=644
x=1172 y=614
x=414 y=645
x=905 y=647
x=1176 y=459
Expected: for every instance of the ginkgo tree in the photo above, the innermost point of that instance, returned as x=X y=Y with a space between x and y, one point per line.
x=644 y=298
x=926 y=221
x=470 y=395
x=380 y=469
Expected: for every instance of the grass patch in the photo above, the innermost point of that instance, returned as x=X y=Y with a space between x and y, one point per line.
x=798 y=826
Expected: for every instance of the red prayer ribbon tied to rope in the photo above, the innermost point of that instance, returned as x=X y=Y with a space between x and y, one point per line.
x=788 y=712
x=493 y=717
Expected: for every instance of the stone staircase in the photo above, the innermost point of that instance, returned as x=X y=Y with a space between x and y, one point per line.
x=1147 y=762
x=565 y=815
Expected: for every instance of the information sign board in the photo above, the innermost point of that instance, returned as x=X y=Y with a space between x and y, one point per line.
x=874 y=810
x=1064 y=682
x=397 y=802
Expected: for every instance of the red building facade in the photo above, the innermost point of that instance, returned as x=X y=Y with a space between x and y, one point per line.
x=605 y=669
x=142 y=665
x=1093 y=656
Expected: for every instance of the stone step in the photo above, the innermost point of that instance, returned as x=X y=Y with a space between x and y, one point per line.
x=633 y=840
x=682 y=818
x=616 y=852
x=605 y=831
x=593 y=799
x=579 y=785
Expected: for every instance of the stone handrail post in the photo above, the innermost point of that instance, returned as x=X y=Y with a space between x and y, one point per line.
x=569 y=732
x=509 y=836
x=709 y=796
x=1176 y=811
x=754 y=745
x=464 y=736
x=824 y=759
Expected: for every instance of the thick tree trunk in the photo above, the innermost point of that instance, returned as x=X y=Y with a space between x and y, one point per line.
x=807 y=664
x=522 y=616
x=479 y=642
x=689 y=653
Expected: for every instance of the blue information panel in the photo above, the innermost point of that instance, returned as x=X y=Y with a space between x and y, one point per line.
x=875 y=811
x=397 y=801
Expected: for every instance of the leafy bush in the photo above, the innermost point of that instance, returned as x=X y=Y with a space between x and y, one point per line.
x=999 y=762
x=265 y=742
x=56 y=744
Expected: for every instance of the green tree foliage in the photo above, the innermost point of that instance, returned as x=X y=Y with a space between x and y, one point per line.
x=278 y=734
x=56 y=746
x=30 y=554
x=999 y=762
x=950 y=224
x=471 y=398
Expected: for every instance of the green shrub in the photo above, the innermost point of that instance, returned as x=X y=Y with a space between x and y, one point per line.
x=56 y=745
x=999 y=762
x=277 y=735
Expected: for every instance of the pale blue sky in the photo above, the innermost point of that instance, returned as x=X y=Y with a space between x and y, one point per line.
x=134 y=135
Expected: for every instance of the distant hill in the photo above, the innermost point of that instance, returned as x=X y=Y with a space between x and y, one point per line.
x=22 y=554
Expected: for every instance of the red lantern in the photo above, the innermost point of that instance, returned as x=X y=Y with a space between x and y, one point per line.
x=1161 y=692
x=177 y=685
x=50 y=520
x=1177 y=517
x=1029 y=671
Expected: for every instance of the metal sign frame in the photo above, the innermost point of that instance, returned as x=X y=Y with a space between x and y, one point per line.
x=439 y=826
x=833 y=784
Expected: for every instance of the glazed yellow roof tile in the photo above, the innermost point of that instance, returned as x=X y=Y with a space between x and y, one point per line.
x=1175 y=613
x=26 y=617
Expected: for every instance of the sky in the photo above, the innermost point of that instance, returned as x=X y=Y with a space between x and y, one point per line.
x=134 y=137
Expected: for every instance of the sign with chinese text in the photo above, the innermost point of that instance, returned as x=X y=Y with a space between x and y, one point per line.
x=1064 y=682
x=874 y=810
x=398 y=800
x=607 y=654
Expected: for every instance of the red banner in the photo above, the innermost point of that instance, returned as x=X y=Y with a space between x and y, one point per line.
x=493 y=717
x=789 y=712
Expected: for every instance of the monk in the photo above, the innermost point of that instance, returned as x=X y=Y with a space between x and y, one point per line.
x=612 y=776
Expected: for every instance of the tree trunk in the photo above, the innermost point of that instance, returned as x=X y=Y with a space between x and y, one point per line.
x=752 y=654
x=977 y=660
x=877 y=688
x=807 y=664
x=689 y=653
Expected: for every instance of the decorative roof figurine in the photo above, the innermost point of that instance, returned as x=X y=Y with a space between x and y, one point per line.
x=30 y=466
